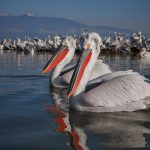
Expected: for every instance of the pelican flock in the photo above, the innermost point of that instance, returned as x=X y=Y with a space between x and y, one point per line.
x=106 y=92
x=136 y=44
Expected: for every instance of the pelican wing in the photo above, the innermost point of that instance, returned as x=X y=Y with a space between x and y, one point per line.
x=100 y=69
x=116 y=90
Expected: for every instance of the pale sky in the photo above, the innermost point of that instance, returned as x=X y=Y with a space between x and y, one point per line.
x=132 y=14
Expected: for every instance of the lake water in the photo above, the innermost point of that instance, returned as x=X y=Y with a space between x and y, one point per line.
x=30 y=118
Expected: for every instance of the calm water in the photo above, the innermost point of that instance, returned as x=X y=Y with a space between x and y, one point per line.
x=30 y=118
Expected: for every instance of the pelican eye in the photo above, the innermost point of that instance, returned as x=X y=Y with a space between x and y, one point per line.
x=88 y=46
x=65 y=43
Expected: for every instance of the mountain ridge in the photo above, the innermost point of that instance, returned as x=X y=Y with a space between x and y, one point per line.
x=30 y=25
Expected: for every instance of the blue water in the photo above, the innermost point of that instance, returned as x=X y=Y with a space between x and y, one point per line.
x=30 y=118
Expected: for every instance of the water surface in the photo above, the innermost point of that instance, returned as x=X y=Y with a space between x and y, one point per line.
x=30 y=118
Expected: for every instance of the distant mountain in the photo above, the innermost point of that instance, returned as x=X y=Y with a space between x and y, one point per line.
x=19 y=26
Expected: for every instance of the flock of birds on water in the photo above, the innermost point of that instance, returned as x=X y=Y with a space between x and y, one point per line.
x=138 y=44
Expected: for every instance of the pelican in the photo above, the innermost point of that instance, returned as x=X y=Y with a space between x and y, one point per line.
x=111 y=92
x=59 y=60
x=61 y=72
x=57 y=41
x=1 y=47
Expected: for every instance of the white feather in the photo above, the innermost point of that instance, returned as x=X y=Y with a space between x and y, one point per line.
x=121 y=93
x=99 y=69
x=118 y=91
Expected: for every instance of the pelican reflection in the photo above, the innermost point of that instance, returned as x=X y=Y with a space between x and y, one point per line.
x=112 y=130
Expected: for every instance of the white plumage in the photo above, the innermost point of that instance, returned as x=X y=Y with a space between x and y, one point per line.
x=99 y=69
x=118 y=91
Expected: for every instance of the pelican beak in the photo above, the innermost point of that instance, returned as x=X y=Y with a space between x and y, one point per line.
x=79 y=71
x=57 y=57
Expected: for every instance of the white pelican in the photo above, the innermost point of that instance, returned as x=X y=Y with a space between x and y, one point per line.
x=57 y=41
x=141 y=53
x=59 y=60
x=116 y=44
x=117 y=91
x=1 y=47
x=61 y=74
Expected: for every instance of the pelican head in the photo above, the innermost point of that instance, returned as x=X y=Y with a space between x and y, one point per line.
x=91 y=45
x=62 y=56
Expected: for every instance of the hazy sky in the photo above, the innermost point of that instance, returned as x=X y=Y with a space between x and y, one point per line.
x=133 y=14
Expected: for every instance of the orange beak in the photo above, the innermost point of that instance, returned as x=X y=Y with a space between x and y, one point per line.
x=55 y=59
x=79 y=71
